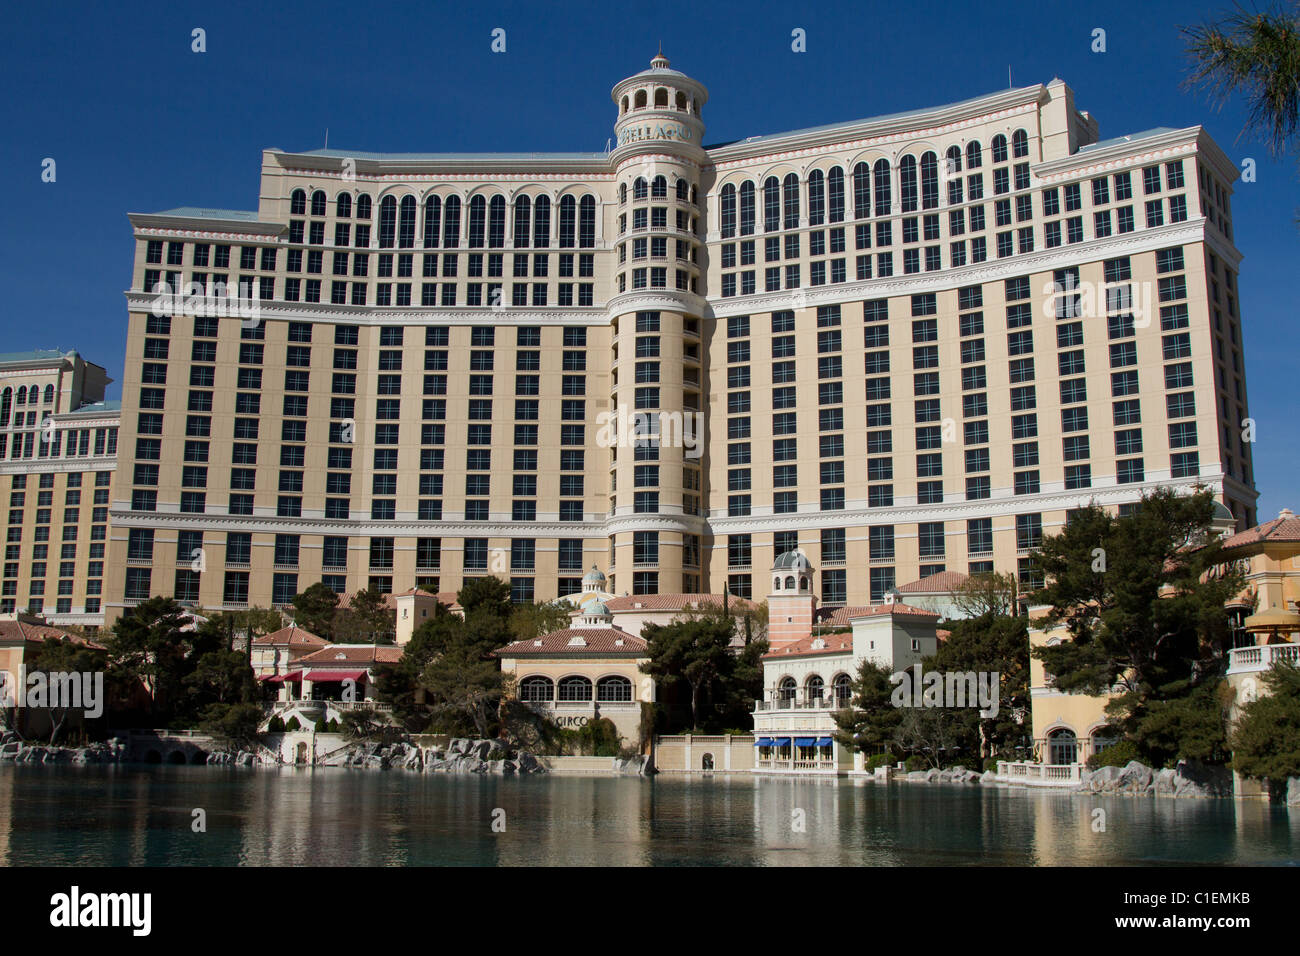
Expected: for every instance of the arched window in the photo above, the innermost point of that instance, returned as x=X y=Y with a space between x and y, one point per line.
x=816 y=198
x=746 y=209
x=661 y=97
x=694 y=200
x=318 y=203
x=861 y=191
x=952 y=172
x=623 y=106
x=776 y=584
x=497 y=222
x=387 y=222
x=706 y=762
x=587 y=222
x=343 y=205
x=1062 y=747
x=771 y=204
x=884 y=194
x=974 y=158
x=790 y=201
x=843 y=689
x=786 y=689
x=789 y=583
x=659 y=188
x=522 y=207
x=575 y=688
x=6 y=406
x=432 y=221
x=814 y=687
x=999 y=146
x=614 y=690
x=683 y=191
x=835 y=195
x=640 y=188
x=477 y=222
x=929 y=181
x=622 y=192
x=907 y=183
x=681 y=101
x=568 y=210
x=728 y=211
x=451 y=222
x=1103 y=738
x=49 y=394
x=953 y=157
x=536 y=689
x=640 y=99
x=406 y=223
x=542 y=222
x=1019 y=143
x=298 y=203
x=803 y=584
x=21 y=398
x=363 y=206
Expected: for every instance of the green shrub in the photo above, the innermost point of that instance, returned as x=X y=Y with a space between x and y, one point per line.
x=293 y=724
x=880 y=760
x=916 y=762
x=275 y=725
x=1116 y=755
x=496 y=753
x=333 y=726
x=321 y=726
x=991 y=763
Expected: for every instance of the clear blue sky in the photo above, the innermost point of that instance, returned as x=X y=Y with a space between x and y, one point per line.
x=138 y=123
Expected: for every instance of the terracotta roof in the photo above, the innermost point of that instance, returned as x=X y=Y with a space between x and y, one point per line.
x=942 y=583
x=291 y=636
x=832 y=644
x=1285 y=528
x=350 y=654
x=444 y=597
x=38 y=633
x=904 y=609
x=598 y=640
x=839 y=616
x=345 y=601
x=673 y=602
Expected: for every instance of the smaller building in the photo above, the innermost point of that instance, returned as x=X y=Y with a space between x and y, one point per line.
x=938 y=593
x=326 y=683
x=20 y=636
x=273 y=653
x=416 y=606
x=808 y=678
x=584 y=672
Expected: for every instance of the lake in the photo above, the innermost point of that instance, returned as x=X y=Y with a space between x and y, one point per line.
x=143 y=816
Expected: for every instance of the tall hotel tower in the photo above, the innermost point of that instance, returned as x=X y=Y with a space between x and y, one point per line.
x=904 y=345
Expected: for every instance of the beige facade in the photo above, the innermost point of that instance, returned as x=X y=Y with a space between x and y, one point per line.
x=913 y=344
x=58 y=454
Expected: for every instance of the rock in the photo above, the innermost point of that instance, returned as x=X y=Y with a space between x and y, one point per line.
x=508 y=766
x=1103 y=779
x=1194 y=779
x=458 y=746
x=1166 y=781
x=932 y=776
x=528 y=763
x=919 y=776
x=988 y=776
x=245 y=759
x=1134 y=778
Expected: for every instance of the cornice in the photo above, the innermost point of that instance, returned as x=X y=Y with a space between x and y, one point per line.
x=150 y=224
x=470 y=166
x=389 y=529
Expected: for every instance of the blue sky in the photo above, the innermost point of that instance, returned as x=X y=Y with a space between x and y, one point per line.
x=136 y=122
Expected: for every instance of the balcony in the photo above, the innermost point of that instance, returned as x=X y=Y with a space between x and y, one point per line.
x=1249 y=660
x=1028 y=774
x=827 y=703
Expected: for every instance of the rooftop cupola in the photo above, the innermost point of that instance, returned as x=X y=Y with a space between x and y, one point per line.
x=660 y=108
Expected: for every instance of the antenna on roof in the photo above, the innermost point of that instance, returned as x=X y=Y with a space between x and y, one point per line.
x=1009 y=86
x=327 y=136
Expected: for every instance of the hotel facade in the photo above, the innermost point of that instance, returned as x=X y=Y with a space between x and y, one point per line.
x=902 y=345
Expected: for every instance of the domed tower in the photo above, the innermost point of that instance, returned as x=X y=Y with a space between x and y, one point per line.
x=791 y=606
x=657 y=380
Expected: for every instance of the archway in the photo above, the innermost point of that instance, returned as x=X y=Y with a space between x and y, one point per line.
x=1062 y=747
x=176 y=757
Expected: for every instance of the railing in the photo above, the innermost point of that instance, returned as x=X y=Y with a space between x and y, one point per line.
x=1241 y=659
x=1039 y=774
x=800 y=703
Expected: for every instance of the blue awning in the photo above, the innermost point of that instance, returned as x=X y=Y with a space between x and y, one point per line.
x=824 y=742
x=781 y=741
x=763 y=742
x=805 y=741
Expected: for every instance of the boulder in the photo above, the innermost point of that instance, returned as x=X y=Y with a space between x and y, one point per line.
x=1135 y=778
x=919 y=776
x=528 y=763
x=1194 y=779
x=1102 y=780
x=1166 y=781
x=988 y=776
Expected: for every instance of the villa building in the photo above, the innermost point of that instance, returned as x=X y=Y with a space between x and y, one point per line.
x=584 y=672
x=273 y=654
x=58 y=455
x=906 y=345
x=324 y=684
x=806 y=680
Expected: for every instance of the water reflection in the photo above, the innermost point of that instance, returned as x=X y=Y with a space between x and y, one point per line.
x=142 y=816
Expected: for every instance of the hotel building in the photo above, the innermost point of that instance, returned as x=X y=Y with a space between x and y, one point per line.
x=58 y=453
x=904 y=345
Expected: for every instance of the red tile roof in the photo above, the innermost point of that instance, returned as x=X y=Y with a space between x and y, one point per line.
x=674 y=602
x=1285 y=528
x=832 y=644
x=11 y=631
x=839 y=616
x=839 y=643
x=598 y=640
x=942 y=583
x=444 y=597
x=351 y=654
x=291 y=636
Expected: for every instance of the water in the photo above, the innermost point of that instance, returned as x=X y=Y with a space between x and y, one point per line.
x=142 y=816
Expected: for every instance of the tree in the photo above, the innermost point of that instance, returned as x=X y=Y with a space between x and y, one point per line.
x=399 y=683
x=223 y=677
x=147 y=645
x=236 y=722
x=463 y=681
x=695 y=651
x=62 y=656
x=1258 y=55
x=987 y=594
x=994 y=641
x=530 y=620
x=314 y=609
x=1266 y=738
x=486 y=595
x=367 y=620
x=870 y=722
x=1142 y=598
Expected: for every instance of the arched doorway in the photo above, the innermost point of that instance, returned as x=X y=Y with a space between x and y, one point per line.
x=300 y=756
x=1062 y=747
x=706 y=762
x=176 y=757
